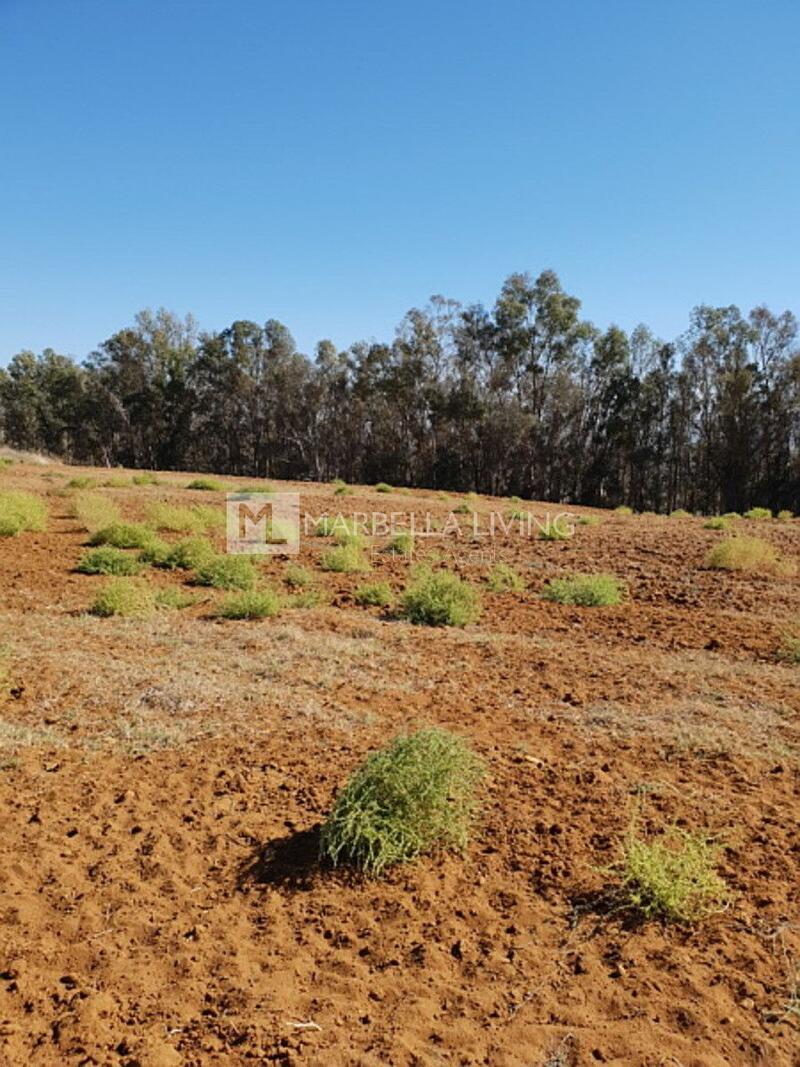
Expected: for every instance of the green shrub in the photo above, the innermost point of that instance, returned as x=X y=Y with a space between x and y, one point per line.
x=109 y=560
x=589 y=520
x=188 y=555
x=209 y=517
x=145 y=478
x=785 y=516
x=383 y=487
x=345 y=559
x=555 y=531
x=732 y=515
x=758 y=513
x=128 y=597
x=227 y=572
x=438 y=598
x=789 y=650
x=673 y=877
x=310 y=597
x=81 y=481
x=373 y=595
x=156 y=552
x=623 y=509
x=324 y=526
x=743 y=554
x=117 y=483
x=172 y=599
x=402 y=544
x=297 y=577
x=123 y=535
x=717 y=522
x=412 y=797
x=173 y=518
x=21 y=511
x=680 y=513
x=585 y=590
x=94 y=511
x=342 y=490
x=504 y=579
x=210 y=485
x=250 y=604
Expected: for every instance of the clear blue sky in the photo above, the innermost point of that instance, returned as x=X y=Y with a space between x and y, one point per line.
x=332 y=164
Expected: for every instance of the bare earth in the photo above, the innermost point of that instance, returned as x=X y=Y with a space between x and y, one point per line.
x=163 y=780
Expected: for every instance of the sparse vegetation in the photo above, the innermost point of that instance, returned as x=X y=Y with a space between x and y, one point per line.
x=144 y=478
x=589 y=520
x=373 y=595
x=345 y=559
x=623 y=509
x=109 y=560
x=250 y=604
x=21 y=512
x=210 y=485
x=324 y=526
x=94 y=511
x=402 y=544
x=439 y=598
x=227 y=572
x=555 y=530
x=673 y=877
x=173 y=599
x=172 y=517
x=785 y=516
x=585 y=590
x=760 y=514
x=127 y=597
x=412 y=797
x=502 y=578
x=297 y=577
x=80 y=481
x=717 y=522
x=789 y=649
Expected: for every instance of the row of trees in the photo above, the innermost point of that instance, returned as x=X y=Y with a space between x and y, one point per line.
x=525 y=398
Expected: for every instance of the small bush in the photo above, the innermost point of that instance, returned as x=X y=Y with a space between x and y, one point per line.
x=440 y=599
x=123 y=535
x=172 y=599
x=21 y=511
x=789 y=650
x=623 y=509
x=81 y=481
x=383 y=487
x=555 y=531
x=173 y=518
x=680 y=513
x=155 y=552
x=743 y=554
x=145 y=478
x=109 y=560
x=188 y=555
x=504 y=579
x=208 y=517
x=310 y=597
x=760 y=514
x=673 y=877
x=373 y=595
x=412 y=797
x=324 y=526
x=128 y=597
x=345 y=559
x=94 y=511
x=585 y=590
x=785 y=516
x=717 y=522
x=117 y=483
x=227 y=572
x=589 y=520
x=342 y=490
x=297 y=577
x=402 y=544
x=210 y=485
x=732 y=515
x=250 y=604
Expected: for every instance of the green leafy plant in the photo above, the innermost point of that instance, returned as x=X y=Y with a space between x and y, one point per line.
x=123 y=535
x=20 y=511
x=373 y=595
x=760 y=514
x=345 y=559
x=673 y=877
x=415 y=796
x=250 y=604
x=585 y=590
x=127 y=597
x=504 y=579
x=227 y=572
x=438 y=598
x=109 y=560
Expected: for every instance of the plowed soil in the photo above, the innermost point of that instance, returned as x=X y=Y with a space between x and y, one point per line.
x=163 y=782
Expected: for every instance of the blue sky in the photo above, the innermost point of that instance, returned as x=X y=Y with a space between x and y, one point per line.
x=333 y=164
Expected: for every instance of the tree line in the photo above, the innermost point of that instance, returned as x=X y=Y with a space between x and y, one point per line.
x=525 y=398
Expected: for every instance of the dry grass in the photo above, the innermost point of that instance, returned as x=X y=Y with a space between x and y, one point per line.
x=750 y=554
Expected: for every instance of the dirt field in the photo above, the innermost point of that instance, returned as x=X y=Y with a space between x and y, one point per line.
x=163 y=781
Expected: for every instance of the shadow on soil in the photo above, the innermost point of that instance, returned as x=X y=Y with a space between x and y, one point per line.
x=290 y=862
